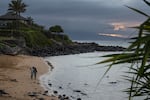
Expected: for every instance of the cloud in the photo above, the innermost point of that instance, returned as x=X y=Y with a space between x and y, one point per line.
x=118 y=26
x=123 y=25
x=112 y=35
x=82 y=18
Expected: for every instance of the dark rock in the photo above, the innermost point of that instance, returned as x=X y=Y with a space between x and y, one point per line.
x=74 y=48
x=76 y=91
x=55 y=92
x=66 y=98
x=64 y=95
x=13 y=80
x=60 y=87
x=41 y=99
x=50 y=84
x=84 y=94
x=45 y=93
x=113 y=82
x=50 y=65
x=10 y=50
x=32 y=94
x=59 y=97
x=14 y=47
x=79 y=99
x=2 y=92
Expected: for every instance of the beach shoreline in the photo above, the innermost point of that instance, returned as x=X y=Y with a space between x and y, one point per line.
x=15 y=78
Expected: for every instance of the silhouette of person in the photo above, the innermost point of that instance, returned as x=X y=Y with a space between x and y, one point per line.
x=33 y=72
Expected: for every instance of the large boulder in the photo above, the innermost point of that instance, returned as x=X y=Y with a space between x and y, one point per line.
x=13 y=47
x=6 y=49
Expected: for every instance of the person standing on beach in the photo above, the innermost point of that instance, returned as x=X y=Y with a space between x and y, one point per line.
x=33 y=72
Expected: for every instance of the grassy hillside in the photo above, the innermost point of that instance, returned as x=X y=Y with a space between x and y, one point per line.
x=35 y=38
x=34 y=35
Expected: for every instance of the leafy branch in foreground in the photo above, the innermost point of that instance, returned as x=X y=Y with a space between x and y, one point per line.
x=138 y=55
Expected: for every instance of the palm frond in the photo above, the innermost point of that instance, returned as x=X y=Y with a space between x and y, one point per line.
x=148 y=3
x=138 y=11
x=138 y=55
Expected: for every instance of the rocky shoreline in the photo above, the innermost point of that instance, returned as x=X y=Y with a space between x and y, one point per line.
x=58 y=49
x=75 y=48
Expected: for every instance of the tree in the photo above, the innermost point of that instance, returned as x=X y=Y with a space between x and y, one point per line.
x=56 y=29
x=138 y=56
x=30 y=20
x=17 y=7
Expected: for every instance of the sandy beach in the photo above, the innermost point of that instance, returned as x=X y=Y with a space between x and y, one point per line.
x=15 y=78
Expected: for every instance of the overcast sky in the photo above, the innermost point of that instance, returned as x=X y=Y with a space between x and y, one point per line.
x=85 y=19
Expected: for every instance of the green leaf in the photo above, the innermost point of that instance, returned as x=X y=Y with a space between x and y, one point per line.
x=140 y=12
x=148 y=3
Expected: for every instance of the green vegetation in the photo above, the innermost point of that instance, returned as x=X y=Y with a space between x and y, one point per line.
x=35 y=38
x=61 y=38
x=17 y=7
x=1 y=45
x=30 y=20
x=34 y=34
x=138 y=56
x=56 y=29
x=5 y=38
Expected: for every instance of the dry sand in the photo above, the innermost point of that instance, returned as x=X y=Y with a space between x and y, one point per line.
x=15 y=77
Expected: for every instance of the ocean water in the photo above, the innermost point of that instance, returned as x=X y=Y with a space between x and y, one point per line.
x=123 y=43
x=80 y=72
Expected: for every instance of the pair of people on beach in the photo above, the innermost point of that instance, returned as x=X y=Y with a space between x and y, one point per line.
x=33 y=72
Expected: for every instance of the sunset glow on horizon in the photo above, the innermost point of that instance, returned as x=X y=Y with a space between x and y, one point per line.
x=112 y=35
x=123 y=25
x=118 y=26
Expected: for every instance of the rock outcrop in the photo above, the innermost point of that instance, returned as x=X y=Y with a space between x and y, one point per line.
x=18 y=46
x=74 y=48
